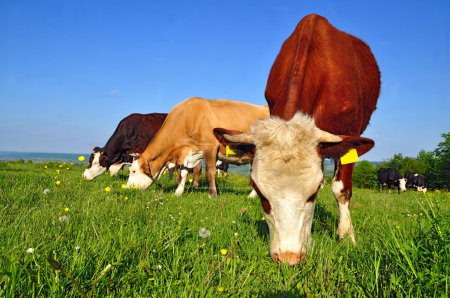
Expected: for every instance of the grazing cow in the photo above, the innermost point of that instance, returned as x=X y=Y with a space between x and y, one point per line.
x=222 y=168
x=415 y=180
x=187 y=137
x=321 y=91
x=132 y=135
x=391 y=177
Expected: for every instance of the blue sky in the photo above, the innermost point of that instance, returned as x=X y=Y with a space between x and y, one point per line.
x=71 y=70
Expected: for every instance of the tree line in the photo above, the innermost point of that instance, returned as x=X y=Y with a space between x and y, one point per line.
x=433 y=165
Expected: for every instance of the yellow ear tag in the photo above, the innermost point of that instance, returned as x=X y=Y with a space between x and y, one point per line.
x=229 y=151
x=350 y=157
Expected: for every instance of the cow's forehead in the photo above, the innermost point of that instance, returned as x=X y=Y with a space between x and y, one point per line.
x=286 y=158
x=288 y=144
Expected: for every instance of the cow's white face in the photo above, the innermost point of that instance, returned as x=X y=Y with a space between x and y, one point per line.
x=137 y=178
x=287 y=175
x=402 y=184
x=95 y=168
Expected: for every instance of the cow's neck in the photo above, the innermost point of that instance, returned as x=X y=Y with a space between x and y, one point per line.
x=156 y=154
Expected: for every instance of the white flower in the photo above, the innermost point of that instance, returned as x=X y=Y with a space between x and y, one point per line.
x=63 y=219
x=30 y=250
x=159 y=267
x=204 y=233
x=47 y=191
x=77 y=247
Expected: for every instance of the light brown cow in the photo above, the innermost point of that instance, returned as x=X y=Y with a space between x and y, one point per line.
x=187 y=137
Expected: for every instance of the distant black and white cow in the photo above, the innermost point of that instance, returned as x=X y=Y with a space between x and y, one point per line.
x=391 y=177
x=132 y=135
x=222 y=168
x=415 y=180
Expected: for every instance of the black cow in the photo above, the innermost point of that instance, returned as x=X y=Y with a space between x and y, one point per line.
x=415 y=180
x=132 y=135
x=391 y=177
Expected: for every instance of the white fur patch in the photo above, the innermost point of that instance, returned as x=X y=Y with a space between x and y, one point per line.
x=337 y=187
x=345 y=222
x=115 y=168
x=193 y=159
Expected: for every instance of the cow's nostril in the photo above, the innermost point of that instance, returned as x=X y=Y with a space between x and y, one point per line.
x=275 y=257
x=290 y=258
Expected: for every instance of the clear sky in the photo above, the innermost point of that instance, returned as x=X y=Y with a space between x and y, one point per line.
x=71 y=70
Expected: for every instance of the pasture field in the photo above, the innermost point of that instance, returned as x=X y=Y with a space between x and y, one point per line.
x=77 y=238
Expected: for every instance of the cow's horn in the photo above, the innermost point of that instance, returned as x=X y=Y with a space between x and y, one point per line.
x=134 y=155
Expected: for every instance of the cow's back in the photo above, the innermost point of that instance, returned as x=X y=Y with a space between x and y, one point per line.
x=196 y=117
x=326 y=73
x=146 y=128
x=132 y=135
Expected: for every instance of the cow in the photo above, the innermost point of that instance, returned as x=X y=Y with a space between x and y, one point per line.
x=222 y=168
x=415 y=180
x=322 y=90
x=391 y=178
x=132 y=135
x=187 y=137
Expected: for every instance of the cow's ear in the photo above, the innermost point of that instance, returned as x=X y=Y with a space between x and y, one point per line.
x=227 y=136
x=337 y=150
x=234 y=143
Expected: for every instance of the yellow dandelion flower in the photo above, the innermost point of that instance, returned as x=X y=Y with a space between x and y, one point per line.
x=66 y=209
x=60 y=166
x=263 y=218
x=45 y=167
x=134 y=187
x=190 y=180
x=58 y=182
x=57 y=171
x=80 y=158
x=124 y=186
x=126 y=198
x=220 y=289
x=107 y=189
x=223 y=251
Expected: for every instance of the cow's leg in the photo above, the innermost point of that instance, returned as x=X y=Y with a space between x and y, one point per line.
x=342 y=189
x=171 y=167
x=210 y=161
x=197 y=171
x=182 y=176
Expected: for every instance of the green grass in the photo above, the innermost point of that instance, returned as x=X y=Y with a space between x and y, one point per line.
x=151 y=239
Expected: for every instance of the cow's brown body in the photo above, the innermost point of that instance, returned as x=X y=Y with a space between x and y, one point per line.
x=326 y=73
x=322 y=90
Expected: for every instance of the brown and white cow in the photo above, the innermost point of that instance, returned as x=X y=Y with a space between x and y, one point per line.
x=321 y=90
x=187 y=137
x=132 y=135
